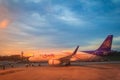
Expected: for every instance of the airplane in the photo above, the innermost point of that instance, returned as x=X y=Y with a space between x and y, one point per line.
x=96 y=55
x=54 y=60
x=66 y=58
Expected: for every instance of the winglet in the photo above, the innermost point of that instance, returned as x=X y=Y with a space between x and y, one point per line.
x=75 y=51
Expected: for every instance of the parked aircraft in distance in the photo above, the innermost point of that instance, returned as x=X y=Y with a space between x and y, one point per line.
x=66 y=58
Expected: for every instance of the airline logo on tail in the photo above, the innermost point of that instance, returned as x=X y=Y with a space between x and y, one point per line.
x=106 y=45
x=105 y=48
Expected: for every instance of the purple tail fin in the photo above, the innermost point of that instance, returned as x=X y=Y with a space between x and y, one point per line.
x=106 y=45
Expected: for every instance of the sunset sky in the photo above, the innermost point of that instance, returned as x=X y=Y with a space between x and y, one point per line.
x=52 y=25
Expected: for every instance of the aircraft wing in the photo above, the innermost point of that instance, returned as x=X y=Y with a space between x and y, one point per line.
x=69 y=56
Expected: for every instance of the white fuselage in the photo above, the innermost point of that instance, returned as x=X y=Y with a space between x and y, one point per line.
x=80 y=56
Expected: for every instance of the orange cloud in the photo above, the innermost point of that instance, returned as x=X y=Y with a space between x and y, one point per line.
x=4 y=23
x=28 y=54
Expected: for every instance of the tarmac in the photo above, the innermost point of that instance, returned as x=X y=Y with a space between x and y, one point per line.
x=77 y=71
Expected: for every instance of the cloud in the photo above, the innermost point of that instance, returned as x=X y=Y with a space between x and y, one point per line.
x=5 y=16
x=34 y=1
x=67 y=16
x=39 y=20
x=90 y=6
x=53 y=24
x=116 y=1
x=116 y=43
x=4 y=23
x=94 y=44
x=28 y=1
x=117 y=39
x=32 y=32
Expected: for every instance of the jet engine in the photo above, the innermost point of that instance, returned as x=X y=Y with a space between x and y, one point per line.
x=54 y=62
